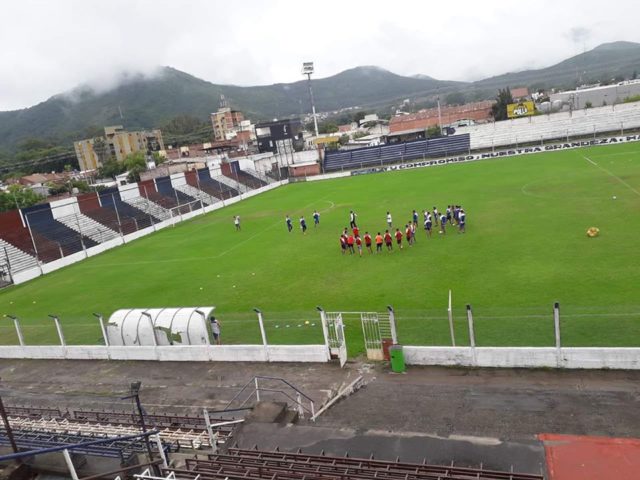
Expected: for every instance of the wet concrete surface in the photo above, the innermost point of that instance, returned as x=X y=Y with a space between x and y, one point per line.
x=504 y=404
x=470 y=416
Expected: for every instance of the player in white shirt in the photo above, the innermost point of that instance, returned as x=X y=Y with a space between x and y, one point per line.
x=461 y=221
x=389 y=220
x=436 y=216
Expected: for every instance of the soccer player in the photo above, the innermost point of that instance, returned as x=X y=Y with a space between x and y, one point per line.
x=415 y=217
x=388 y=240
x=378 y=243
x=412 y=226
x=289 y=225
x=316 y=218
x=443 y=224
x=352 y=218
x=303 y=225
x=449 y=219
x=436 y=216
x=356 y=232
x=399 y=238
x=389 y=220
x=461 y=221
x=236 y=222
x=407 y=232
x=359 y=245
x=456 y=213
x=350 y=242
x=215 y=329
x=428 y=224
x=343 y=244
x=367 y=241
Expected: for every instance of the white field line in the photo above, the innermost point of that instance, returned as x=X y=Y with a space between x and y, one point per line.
x=612 y=175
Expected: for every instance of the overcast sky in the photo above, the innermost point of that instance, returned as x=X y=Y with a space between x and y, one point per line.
x=52 y=46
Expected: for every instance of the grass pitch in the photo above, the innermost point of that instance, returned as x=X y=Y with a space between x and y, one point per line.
x=525 y=247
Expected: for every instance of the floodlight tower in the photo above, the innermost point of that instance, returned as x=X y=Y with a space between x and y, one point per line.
x=307 y=69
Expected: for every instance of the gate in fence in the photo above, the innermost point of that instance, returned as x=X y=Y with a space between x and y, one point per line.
x=378 y=329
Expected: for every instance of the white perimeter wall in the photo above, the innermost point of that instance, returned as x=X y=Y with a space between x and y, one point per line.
x=178 y=179
x=525 y=357
x=174 y=353
x=129 y=191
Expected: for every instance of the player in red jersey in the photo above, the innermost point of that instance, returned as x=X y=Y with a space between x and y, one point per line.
x=407 y=232
x=399 y=238
x=359 y=245
x=367 y=241
x=388 y=240
x=350 y=241
x=356 y=232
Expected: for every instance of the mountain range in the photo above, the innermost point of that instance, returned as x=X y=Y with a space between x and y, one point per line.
x=146 y=102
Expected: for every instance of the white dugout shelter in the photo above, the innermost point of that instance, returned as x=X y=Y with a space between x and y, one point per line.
x=159 y=326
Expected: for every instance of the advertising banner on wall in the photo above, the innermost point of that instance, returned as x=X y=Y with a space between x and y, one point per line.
x=520 y=109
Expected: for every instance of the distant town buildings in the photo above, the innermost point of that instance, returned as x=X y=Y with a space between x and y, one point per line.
x=116 y=143
x=229 y=124
x=595 y=96
x=279 y=136
x=416 y=123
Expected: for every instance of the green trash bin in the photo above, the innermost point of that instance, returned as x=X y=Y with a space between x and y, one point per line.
x=397 y=358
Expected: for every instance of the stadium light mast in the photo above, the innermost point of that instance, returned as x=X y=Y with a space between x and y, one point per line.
x=307 y=69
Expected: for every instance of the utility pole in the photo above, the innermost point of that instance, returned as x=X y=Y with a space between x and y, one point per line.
x=307 y=69
x=135 y=394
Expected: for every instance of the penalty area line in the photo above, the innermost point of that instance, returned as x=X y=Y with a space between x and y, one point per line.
x=612 y=175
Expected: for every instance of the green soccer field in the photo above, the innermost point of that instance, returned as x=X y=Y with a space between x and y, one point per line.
x=525 y=247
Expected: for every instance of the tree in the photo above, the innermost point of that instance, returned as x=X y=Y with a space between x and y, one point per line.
x=182 y=125
x=359 y=115
x=588 y=105
x=135 y=163
x=327 y=127
x=499 y=109
x=344 y=139
x=18 y=196
x=159 y=159
x=433 y=132
x=110 y=169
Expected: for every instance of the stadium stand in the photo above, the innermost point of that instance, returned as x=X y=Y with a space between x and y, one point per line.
x=30 y=440
x=15 y=238
x=259 y=175
x=257 y=464
x=233 y=183
x=88 y=227
x=396 y=152
x=166 y=188
x=149 y=208
x=201 y=195
x=110 y=199
x=18 y=260
x=211 y=186
x=40 y=219
x=90 y=206
x=556 y=126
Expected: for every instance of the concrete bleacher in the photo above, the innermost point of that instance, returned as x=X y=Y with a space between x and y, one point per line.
x=201 y=195
x=213 y=187
x=562 y=126
x=40 y=218
x=257 y=465
x=112 y=201
x=232 y=183
x=88 y=227
x=395 y=152
x=18 y=260
x=149 y=208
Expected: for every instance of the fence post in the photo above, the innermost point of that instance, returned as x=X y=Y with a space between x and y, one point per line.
x=26 y=217
x=156 y=437
x=325 y=329
x=556 y=323
x=472 y=336
x=59 y=329
x=16 y=323
x=115 y=207
x=392 y=324
x=255 y=379
x=450 y=315
x=262 y=332
x=102 y=328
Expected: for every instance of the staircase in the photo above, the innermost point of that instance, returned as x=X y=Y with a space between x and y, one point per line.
x=148 y=207
x=88 y=227
x=18 y=260
x=197 y=194
x=259 y=175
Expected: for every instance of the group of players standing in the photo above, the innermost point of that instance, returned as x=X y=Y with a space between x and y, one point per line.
x=453 y=215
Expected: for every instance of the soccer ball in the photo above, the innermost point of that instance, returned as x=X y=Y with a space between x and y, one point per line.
x=614 y=197
x=306 y=322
